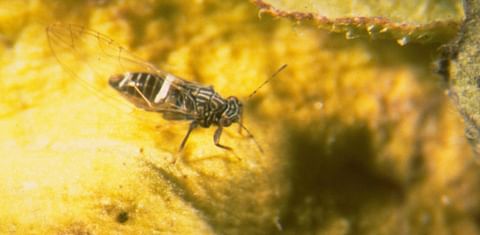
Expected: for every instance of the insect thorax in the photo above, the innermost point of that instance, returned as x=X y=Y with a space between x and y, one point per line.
x=214 y=109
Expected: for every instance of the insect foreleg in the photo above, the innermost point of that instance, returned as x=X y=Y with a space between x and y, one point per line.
x=240 y=124
x=216 y=138
x=190 y=129
x=251 y=136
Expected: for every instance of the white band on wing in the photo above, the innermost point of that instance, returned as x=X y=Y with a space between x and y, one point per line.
x=125 y=79
x=165 y=87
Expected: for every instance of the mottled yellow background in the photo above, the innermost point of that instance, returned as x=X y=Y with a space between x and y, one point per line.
x=358 y=135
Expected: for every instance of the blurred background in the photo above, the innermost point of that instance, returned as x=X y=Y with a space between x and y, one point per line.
x=359 y=134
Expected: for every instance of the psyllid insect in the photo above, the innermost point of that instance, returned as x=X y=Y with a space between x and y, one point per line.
x=143 y=84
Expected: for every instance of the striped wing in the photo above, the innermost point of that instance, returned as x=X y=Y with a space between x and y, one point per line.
x=92 y=58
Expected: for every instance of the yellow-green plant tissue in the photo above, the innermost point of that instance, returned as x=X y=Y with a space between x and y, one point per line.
x=354 y=136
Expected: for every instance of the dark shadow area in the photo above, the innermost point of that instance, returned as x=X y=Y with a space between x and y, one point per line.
x=333 y=175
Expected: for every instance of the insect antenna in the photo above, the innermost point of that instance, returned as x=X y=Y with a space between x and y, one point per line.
x=250 y=96
x=267 y=81
x=253 y=137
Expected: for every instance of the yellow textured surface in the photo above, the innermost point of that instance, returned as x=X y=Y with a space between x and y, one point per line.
x=358 y=135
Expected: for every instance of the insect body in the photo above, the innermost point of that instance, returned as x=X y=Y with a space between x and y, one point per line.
x=141 y=83
x=178 y=99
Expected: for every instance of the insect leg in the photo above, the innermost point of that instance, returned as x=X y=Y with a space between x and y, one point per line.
x=240 y=124
x=216 y=138
x=253 y=137
x=190 y=129
x=143 y=97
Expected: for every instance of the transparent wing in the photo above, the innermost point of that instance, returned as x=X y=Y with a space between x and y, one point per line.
x=92 y=58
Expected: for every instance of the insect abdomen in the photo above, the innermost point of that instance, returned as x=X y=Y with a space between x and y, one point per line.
x=145 y=90
x=154 y=93
x=131 y=84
